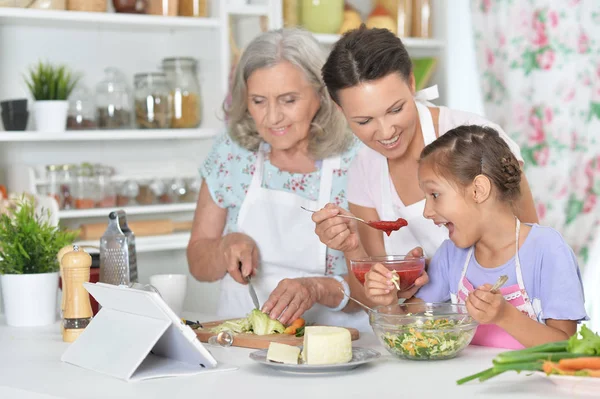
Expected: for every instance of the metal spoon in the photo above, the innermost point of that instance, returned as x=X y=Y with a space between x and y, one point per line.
x=356 y=300
x=499 y=283
x=342 y=216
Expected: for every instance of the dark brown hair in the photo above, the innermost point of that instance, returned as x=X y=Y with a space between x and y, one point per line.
x=364 y=55
x=463 y=153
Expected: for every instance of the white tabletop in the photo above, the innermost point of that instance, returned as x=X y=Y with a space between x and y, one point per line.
x=30 y=368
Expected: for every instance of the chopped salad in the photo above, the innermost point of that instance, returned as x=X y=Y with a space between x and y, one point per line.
x=441 y=342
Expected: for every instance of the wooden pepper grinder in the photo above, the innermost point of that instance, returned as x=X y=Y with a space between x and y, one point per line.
x=64 y=250
x=78 y=309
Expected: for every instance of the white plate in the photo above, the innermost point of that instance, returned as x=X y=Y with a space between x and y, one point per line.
x=359 y=356
x=575 y=385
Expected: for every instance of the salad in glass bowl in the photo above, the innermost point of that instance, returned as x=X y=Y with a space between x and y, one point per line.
x=423 y=331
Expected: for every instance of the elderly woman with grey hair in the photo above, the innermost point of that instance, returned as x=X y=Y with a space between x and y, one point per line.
x=287 y=146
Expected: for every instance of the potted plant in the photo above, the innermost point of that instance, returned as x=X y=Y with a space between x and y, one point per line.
x=50 y=86
x=29 y=269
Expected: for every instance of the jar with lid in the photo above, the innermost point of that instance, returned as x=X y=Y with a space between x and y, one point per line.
x=68 y=182
x=185 y=92
x=152 y=102
x=107 y=193
x=86 y=192
x=82 y=113
x=193 y=8
x=130 y=6
x=53 y=179
x=113 y=101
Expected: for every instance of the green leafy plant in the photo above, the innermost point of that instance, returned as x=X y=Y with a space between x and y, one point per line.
x=50 y=82
x=28 y=242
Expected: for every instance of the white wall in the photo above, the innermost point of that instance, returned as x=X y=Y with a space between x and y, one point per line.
x=463 y=90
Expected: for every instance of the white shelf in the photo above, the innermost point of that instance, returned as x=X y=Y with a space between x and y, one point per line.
x=249 y=10
x=409 y=42
x=110 y=135
x=168 y=242
x=131 y=210
x=21 y=16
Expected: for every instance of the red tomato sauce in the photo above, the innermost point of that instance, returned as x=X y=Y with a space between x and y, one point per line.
x=388 y=226
x=408 y=275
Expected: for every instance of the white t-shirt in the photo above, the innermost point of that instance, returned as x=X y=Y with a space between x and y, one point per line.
x=364 y=180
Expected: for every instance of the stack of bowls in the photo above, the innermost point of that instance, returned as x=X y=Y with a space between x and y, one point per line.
x=14 y=114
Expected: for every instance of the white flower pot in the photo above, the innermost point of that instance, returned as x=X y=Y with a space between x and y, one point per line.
x=30 y=299
x=50 y=116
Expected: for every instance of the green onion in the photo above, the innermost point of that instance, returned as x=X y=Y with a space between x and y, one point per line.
x=531 y=357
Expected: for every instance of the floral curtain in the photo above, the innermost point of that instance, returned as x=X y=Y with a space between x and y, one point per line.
x=539 y=62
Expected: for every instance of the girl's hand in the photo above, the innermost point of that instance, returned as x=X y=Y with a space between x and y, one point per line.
x=486 y=307
x=335 y=232
x=379 y=287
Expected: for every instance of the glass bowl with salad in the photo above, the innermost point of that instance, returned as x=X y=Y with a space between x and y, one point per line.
x=423 y=331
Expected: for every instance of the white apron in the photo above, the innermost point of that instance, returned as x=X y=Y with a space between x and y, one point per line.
x=420 y=232
x=591 y=282
x=288 y=245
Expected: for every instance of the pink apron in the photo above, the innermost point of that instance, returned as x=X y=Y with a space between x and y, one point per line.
x=491 y=334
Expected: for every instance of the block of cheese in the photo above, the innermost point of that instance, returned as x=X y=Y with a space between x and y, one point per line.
x=326 y=345
x=282 y=353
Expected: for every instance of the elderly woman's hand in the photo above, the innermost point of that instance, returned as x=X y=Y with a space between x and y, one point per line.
x=291 y=298
x=336 y=232
x=240 y=255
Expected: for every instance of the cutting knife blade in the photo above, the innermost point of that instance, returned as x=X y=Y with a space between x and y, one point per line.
x=251 y=290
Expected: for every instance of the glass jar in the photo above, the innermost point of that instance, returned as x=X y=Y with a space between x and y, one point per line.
x=113 y=101
x=82 y=112
x=322 y=16
x=185 y=92
x=68 y=180
x=53 y=186
x=106 y=190
x=86 y=192
x=152 y=105
x=130 y=6
x=193 y=8
x=163 y=7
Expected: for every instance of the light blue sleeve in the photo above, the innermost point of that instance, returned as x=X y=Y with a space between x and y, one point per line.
x=438 y=288
x=560 y=286
x=223 y=171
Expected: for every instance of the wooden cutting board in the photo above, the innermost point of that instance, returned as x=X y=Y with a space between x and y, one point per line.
x=247 y=340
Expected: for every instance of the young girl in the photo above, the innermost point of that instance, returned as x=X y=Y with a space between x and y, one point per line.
x=471 y=182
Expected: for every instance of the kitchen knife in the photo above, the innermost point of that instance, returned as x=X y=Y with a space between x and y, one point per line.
x=251 y=290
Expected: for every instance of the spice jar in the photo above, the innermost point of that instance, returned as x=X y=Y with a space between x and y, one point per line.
x=113 y=101
x=67 y=182
x=130 y=6
x=185 y=92
x=193 y=8
x=163 y=7
x=82 y=113
x=106 y=191
x=152 y=107
x=53 y=178
x=86 y=192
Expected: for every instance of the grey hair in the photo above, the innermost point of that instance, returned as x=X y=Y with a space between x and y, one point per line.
x=329 y=133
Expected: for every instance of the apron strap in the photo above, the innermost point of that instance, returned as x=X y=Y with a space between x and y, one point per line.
x=427 y=94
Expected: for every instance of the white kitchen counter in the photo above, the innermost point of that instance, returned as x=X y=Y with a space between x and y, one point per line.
x=30 y=368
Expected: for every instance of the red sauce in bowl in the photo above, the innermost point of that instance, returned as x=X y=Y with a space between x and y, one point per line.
x=408 y=272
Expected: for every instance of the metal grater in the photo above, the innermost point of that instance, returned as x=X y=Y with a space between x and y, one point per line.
x=117 y=254
x=133 y=272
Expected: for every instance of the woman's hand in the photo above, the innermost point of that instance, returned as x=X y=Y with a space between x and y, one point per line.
x=335 y=232
x=240 y=255
x=485 y=306
x=291 y=298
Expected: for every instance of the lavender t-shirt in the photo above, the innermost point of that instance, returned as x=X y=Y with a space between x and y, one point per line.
x=550 y=274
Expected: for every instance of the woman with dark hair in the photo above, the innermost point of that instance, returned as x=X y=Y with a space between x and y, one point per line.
x=369 y=75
